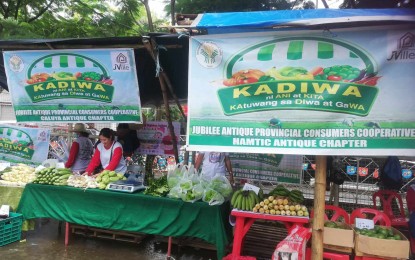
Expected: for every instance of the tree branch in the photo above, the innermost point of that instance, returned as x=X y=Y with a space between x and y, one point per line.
x=41 y=12
x=16 y=12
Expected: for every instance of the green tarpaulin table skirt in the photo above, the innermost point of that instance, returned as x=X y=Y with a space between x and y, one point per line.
x=134 y=212
x=10 y=195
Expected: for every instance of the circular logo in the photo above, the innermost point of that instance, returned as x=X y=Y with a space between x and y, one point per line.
x=209 y=55
x=16 y=63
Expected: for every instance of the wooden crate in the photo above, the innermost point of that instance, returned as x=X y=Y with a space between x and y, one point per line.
x=262 y=238
x=131 y=237
x=188 y=242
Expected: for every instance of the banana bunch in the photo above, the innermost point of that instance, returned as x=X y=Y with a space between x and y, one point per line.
x=244 y=200
x=280 y=206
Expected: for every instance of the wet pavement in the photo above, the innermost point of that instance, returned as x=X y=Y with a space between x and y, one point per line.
x=47 y=243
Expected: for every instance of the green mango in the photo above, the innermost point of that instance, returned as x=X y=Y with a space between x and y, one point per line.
x=112 y=174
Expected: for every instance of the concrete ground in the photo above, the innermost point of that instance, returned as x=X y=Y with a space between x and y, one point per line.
x=47 y=243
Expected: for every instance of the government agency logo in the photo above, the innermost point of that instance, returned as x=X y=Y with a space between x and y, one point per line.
x=209 y=55
x=16 y=63
x=405 y=50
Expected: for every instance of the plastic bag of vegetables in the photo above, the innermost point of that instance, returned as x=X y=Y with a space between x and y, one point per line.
x=194 y=194
x=175 y=193
x=212 y=197
x=222 y=185
x=174 y=176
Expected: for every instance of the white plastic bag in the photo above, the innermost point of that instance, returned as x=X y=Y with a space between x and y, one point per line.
x=175 y=193
x=222 y=185
x=174 y=176
x=212 y=197
x=194 y=194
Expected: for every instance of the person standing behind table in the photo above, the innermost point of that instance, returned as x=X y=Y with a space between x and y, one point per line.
x=81 y=149
x=214 y=163
x=108 y=153
x=128 y=139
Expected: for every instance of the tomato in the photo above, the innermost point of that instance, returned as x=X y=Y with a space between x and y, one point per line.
x=316 y=71
x=107 y=81
x=78 y=75
x=230 y=82
x=246 y=80
x=87 y=78
x=334 y=78
x=30 y=81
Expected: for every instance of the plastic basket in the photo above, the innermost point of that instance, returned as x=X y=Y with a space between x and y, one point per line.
x=11 y=228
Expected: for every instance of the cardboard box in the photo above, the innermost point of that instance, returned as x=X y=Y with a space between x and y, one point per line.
x=370 y=246
x=338 y=239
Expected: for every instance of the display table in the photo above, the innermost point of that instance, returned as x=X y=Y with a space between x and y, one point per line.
x=134 y=212
x=244 y=221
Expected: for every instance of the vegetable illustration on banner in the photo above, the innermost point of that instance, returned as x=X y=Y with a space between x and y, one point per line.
x=303 y=92
x=23 y=144
x=351 y=86
x=73 y=85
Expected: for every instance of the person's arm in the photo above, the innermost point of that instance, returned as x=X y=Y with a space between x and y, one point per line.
x=115 y=160
x=229 y=168
x=72 y=155
x=199 y=161
x=94 y=163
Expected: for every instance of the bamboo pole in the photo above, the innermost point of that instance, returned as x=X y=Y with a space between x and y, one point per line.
x=150 y=49
x=319 y=205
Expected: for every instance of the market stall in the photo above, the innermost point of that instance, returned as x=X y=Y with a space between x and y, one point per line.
x=129 y=212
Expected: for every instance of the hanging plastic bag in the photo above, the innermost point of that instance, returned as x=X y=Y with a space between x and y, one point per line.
x=212 y=197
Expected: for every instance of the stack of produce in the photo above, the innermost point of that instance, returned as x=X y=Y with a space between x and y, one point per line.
x=18 y=175
x=106 y=177
x=279 y=206
x=294 y=196
x=157 y=187
x=244 y=200
x=378 y=232
x=80 y=181
x=53 y=176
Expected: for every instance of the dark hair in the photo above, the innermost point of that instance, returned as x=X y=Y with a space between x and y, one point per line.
x=108 y=133
x=123 y=126
x=84 y=134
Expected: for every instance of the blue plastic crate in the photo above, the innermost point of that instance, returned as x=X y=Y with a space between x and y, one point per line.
x=11 y=228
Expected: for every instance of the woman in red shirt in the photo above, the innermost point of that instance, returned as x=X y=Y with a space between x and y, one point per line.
x=108 y=153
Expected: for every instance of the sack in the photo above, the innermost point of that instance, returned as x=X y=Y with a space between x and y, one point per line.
x=294 y=245
x=391 y=176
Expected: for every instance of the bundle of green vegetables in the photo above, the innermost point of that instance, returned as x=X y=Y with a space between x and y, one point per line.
x=157 y=187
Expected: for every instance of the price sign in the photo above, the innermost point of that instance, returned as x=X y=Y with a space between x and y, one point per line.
x=254 y=188
x=60 y=165
x=364 y=223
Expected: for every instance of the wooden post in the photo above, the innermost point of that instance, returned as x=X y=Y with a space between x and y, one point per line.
x=319 y=205
x=150 y=49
